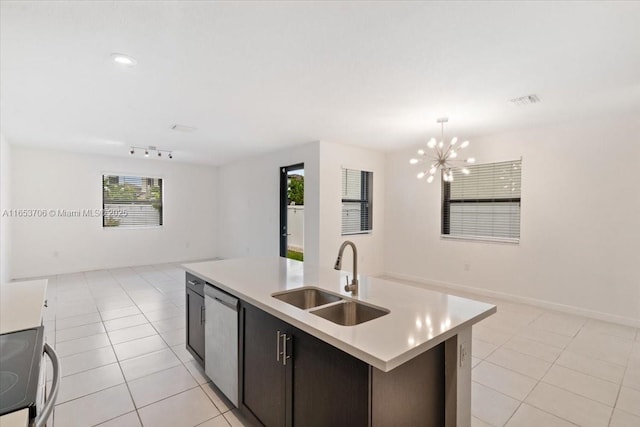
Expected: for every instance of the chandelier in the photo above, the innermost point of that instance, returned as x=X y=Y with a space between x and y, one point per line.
x=441 y=158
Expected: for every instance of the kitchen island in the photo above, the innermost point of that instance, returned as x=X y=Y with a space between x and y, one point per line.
x=411 y=366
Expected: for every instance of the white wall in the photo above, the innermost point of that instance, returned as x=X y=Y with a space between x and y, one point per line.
x=249 y=203
x=580 y=238
x=44 y=179
x=5 y=203
x=334 y=157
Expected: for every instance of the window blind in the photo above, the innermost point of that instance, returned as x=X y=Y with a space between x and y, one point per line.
x=131 y=201
x=483 y=203
x=356 y=201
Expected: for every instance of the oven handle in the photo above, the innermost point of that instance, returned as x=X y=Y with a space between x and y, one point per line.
x=42 y=418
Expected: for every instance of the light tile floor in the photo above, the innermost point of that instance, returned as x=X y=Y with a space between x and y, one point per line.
x=120 y=335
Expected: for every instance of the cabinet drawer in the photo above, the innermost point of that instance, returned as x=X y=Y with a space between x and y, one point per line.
x=195 y=284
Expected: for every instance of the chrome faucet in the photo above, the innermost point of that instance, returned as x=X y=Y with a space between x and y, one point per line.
x=353 y=287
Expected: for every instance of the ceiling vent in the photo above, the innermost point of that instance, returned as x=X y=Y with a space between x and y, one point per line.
x=183 y=128
x=525 y=100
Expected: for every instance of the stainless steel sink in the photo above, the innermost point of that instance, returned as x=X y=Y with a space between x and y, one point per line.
x=306 y=298
x=350 y=313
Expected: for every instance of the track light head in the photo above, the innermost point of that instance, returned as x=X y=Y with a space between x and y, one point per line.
x=132 y=151
x=171 y=155
x=146 y=153
x=159 y=153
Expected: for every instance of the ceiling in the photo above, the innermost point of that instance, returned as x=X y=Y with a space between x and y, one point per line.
x=254 y=77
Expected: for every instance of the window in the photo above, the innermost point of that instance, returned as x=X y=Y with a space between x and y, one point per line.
x=357 y=212
x=484 y=203
x=131 y=201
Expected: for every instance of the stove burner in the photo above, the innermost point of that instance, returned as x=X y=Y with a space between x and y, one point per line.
x=20 y=357
x=12 y=346
x=7 y=381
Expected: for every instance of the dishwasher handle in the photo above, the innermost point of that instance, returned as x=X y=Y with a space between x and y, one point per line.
x=221 y=297
x=226 y=303
x=42 y=418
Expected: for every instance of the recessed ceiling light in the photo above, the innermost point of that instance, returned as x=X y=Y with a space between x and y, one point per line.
x=122 y=59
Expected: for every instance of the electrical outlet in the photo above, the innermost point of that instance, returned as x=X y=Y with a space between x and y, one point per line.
x=463 y=355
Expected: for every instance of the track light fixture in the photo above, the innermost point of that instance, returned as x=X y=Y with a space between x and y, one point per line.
x=158 y=151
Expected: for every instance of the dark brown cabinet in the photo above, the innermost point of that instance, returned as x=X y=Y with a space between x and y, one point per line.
x=195 y=317
x=290 y=378
x=264 y=373
x=329 y=386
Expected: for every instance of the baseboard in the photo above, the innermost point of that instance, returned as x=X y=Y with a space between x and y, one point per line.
x=569 y=309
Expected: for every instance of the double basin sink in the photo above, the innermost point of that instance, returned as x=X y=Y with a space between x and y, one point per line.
x=332 y=307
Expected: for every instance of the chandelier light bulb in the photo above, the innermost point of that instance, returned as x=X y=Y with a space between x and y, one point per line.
x=122 y=59
x=442 y=156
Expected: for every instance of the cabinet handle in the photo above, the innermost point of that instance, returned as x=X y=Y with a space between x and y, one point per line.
x=278 y=346
x=192 y=282
x=284 y=349
x=202 y=314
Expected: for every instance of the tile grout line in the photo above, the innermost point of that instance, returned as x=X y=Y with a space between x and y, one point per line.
x=121 y=371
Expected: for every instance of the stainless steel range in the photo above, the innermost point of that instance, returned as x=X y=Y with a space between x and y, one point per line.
x=20 y=358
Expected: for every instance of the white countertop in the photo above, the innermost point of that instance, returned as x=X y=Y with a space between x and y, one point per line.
x=21 y=305
x=15 y=419
x=419 y=319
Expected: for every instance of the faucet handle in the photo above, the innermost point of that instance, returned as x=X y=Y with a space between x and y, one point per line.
x=347 y=287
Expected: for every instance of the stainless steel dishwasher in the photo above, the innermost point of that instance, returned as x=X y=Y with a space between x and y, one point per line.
x=221 y=341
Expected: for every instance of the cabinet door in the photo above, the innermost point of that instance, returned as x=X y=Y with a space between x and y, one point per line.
x=330 y=387
x=195 y=325
x=264 y=376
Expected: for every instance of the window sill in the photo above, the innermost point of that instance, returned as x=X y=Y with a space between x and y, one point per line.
x=357 y=233
x=485 y=239
x=147 y=227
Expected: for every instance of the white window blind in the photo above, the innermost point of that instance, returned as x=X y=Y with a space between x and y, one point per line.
x=357 y=212
x=131 y=201
x=483 y=203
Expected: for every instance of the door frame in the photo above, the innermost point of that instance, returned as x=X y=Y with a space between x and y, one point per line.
x=284 y=181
